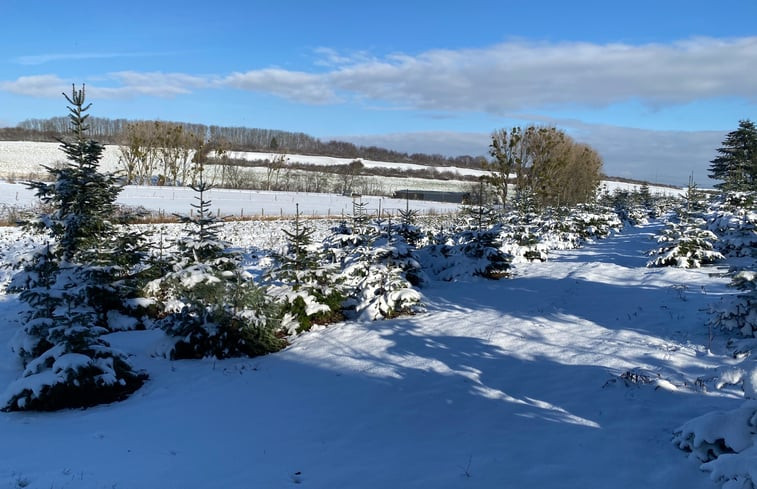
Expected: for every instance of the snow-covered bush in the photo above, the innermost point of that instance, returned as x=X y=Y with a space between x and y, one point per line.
x=307 y=286
x=726 y=444
x=592 y=222
x=523 y=242
x=630 y=207
x=467 y=253
x=378 y=270
x=684 y=246
x=739 y=312
x=734 y=220
x=209 y=304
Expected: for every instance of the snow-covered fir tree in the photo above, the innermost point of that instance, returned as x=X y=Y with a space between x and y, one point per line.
x=72 y=283
x=734 y=220
x=304 y=282
x=377 y=268
x=522 y=239
x=739 y=313
x=685 y=243
x=211 y=305
x=474 y=247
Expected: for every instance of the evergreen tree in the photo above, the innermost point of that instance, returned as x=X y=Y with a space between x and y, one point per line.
x=687 y=244
x=212 y=306
x=736 y=163
x=69 y=286
x=297 y=259
x=304 y=282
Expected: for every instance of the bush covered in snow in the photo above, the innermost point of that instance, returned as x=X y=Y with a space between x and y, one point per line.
x=725 y=443
x=306 y=285
x=739 y=312
x=684 y=246
x=209 y=304
x=474 y=246
x=685 y=243
x=378 y=269
x=734 y=220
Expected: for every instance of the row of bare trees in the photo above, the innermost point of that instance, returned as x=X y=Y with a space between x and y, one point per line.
x=287 y=179
x=164 y=153
x=545 y=163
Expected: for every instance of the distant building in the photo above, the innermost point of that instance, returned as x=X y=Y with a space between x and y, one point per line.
x=432 y=195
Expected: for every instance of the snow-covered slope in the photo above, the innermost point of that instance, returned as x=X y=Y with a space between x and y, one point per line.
x=574 y=373
x=20 y=159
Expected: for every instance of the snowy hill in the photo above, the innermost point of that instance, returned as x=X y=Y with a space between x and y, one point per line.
x=574 y=373
x=20 y=159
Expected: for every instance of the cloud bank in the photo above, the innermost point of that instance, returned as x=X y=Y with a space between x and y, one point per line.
x=497 y=79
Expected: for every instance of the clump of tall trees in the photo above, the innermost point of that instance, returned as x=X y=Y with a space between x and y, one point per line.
x=543 y=163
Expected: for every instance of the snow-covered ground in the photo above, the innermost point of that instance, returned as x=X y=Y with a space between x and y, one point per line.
x=238 y=203
x=536 y=381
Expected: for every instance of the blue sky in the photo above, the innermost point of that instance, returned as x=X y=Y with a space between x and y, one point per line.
x=652 y=85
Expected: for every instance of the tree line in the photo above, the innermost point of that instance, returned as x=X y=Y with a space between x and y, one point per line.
x=115 y=131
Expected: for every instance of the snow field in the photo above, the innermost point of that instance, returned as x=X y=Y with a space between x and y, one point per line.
x=512 y=383
x=238 y=203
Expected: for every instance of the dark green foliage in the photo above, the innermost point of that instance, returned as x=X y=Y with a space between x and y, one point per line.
x=360 y=216
x=72 y=283
x=82 y=197
x=694 y=204
x=684 y=246
x=298 y=258
x=736 y=163
x=216 y=308
x=83 y=386
x=223 y=319
x=304 y=283
x=377 y=270
x=201 y=243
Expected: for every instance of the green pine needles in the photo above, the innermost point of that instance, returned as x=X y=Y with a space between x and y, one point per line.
x=70 y=285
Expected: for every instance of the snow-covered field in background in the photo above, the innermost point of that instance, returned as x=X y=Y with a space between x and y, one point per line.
x=244 y=203
x=514 y=383
x=332 y=161
x=19 y=159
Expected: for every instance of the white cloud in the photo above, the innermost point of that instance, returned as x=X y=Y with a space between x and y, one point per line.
x=123 y=84
x=36 y=86
x=294 y=85
x=155 y=84
x=520 y=75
